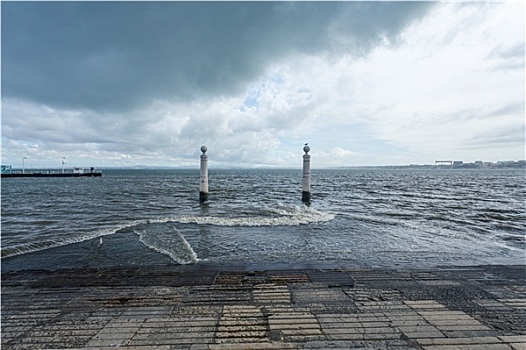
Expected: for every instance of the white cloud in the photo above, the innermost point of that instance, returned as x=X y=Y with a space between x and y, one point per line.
x=436 y=86
x=340 y=152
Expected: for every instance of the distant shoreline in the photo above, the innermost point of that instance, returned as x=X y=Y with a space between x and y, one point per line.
x=487 y=166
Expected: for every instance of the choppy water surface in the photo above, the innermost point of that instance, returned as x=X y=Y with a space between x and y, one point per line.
x=375 y=217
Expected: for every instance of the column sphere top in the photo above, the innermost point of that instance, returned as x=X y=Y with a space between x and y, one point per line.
x=204 y=149
x=306 y=149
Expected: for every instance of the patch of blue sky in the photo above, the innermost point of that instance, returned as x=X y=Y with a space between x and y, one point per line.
x=273 y=81
x=251 y=102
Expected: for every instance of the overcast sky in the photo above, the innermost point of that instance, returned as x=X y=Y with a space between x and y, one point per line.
x=365 y=83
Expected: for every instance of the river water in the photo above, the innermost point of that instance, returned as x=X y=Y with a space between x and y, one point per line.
x=362 y=217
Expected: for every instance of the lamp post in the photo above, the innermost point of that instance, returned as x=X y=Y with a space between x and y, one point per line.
x=24 y=165
x=63 y=162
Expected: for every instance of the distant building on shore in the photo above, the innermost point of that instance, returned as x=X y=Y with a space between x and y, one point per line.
x=459 y=164
x=7 y=169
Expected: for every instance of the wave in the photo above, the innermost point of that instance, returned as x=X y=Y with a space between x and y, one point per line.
x=171 y=243
x=280 y=215
x=60 y=241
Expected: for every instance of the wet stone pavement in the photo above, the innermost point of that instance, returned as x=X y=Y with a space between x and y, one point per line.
x=201 y=307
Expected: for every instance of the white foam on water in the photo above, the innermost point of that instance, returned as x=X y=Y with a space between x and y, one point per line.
x=279 y=216
x=169 y=242
x=31 y=247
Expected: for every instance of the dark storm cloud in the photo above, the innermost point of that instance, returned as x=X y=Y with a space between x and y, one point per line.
x=120 y=55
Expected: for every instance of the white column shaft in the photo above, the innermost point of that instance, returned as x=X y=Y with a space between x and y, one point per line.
x=203 y=182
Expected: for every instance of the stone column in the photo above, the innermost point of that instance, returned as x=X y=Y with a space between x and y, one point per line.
x=203 y=178
x=305 y=182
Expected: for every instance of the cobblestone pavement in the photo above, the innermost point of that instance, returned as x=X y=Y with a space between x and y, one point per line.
x=200 y=307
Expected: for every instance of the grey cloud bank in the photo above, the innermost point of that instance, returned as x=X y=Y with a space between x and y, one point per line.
x=123 y=83
x=118 y=55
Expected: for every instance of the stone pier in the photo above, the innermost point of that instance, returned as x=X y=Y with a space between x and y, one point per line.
x=273 y=307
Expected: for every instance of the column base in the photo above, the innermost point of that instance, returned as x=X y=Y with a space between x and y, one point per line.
x=203 y=197
x=305 y=197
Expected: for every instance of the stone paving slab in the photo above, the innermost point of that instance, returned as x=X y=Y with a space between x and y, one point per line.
x=481 y=307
